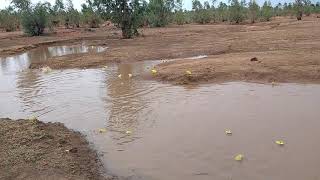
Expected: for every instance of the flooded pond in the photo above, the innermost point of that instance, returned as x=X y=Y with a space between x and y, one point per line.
x=160 y=131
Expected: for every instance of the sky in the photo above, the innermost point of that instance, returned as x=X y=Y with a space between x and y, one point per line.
x=186 y=3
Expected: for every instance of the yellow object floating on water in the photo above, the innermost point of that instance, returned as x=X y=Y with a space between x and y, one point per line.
x=188 y=72
x=280 y=142
x=228 y=132
x=119 y=76
x=153 y=71
x=239 y=157
x=102 y=130
x=128 y=132
x=130 y=75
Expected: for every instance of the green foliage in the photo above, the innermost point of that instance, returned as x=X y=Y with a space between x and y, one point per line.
x=222 y=11
x=34 y=20
x=307 y=7
x=91 y=18
x=254 y=10
x=236 y=10
x=9 y=20
x=72 y=16
x=159 y=12
x=201 y=13
x=180 y=17
x=298 y=9
x=21 y=4
x=266 y=11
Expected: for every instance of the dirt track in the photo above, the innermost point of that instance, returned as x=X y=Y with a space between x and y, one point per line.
x=35 y=150
x=287 y=50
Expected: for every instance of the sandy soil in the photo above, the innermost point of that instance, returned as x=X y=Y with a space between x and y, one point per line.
x=31 y=149
x=287 y=50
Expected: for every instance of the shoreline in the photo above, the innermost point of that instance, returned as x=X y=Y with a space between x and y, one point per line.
x=31 y=149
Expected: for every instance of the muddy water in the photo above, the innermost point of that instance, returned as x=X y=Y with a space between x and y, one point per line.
x=22 y=61
x=175 y=132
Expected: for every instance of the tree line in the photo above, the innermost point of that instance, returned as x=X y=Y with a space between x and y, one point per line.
x=130 y=15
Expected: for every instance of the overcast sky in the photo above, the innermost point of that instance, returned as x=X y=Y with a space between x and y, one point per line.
x=186 y=3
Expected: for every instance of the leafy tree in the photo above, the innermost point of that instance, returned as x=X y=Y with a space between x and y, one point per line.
x=72 y=17
x=298 y=6
x=9 y=20
x=59 y=6
x=90 y=17
x=201 y=12
x=253 y=11
x=307 y=7
x=159 y=12
x=266 y=11
x=21 y=4
x=236 y=12
x=222 y=11
x=34 y=19
x=180 y=18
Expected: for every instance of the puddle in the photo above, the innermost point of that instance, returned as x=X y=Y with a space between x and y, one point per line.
x=22 y=61
x=176 y=132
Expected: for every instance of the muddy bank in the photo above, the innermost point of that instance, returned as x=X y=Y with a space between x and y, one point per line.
x=281 y=34
x=262 y=67
x=16 y=42
x=31 y=149
x=288 y=50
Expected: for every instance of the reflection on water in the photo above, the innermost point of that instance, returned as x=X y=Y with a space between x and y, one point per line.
x=19 y=62
x=177 y=132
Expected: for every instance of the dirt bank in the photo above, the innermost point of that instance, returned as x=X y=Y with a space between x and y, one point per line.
x=273 y=66
x=31 y=149
x=288 y=50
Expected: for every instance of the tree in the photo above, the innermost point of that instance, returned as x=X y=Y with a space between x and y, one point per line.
x=159 y=12
x=266 y=11
x=253 y=11
x=9 y=19
x=222 y=12
x=299 y=9
x=34 y=19
x=72 y=18
x=21 y=4
x=180 y=18
x=201 y=13
x=59 y=6
x=236 y=12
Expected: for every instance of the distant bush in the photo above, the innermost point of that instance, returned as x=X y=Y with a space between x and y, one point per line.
x=159 y=13
x=202 y=16
x=179 y=18
x=34 y=20
x=91 y=18
x=72 y=19
x=9 y=20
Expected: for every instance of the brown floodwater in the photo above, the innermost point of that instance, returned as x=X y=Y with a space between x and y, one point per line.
x=176 y=132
